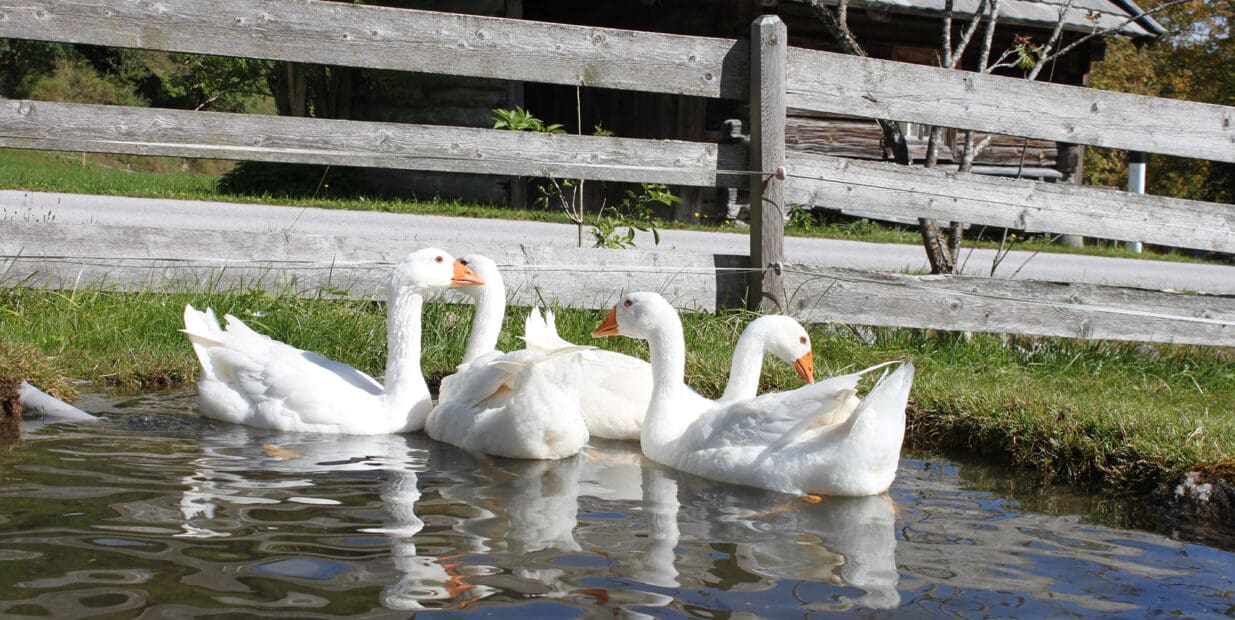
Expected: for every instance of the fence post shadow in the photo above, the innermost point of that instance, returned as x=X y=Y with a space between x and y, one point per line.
x=732 y=279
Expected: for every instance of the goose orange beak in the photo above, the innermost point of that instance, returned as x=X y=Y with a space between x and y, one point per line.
x=805 y=366
x=607 y=327
x=464 y=276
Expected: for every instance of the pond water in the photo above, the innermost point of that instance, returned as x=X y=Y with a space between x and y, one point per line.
x=156 y=513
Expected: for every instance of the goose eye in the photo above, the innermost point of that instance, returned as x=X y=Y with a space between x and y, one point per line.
x=802 y=340
x=464 y=262
x=439 y=259
x=626 y=303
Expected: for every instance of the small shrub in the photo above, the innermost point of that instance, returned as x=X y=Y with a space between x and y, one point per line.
x=78 y=82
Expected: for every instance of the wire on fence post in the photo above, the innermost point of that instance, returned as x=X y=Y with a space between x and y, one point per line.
x=769 y=50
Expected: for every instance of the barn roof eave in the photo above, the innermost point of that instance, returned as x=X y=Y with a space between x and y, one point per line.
x=1120 y=16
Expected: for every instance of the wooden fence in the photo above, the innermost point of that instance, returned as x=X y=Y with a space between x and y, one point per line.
x=767 y=74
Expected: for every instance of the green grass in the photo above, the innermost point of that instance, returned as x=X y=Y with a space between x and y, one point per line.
x=151 y=177
x=64 y=172
x=1121 y=416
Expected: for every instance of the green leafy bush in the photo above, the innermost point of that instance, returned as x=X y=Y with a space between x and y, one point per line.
x=76 y=81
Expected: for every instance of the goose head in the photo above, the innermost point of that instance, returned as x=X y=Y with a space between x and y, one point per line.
x=486 y=269
x=431 y=269
x=637 y=315
x=786 y=339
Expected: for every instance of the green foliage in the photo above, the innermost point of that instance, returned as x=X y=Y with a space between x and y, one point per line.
x=1192 y=61
x=1027 y=52
x=597 y=130
x=519 y=119
x=817 y=222
x=76 y=81
x=22 y=63
x=217 y=83
x=612 y=227
x=801 y=217
x=637 y=211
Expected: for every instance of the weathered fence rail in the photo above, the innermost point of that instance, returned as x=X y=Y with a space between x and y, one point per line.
x=142 y=131
x=1011 y=306
x=313 y=265
x=827 y=82
x=353 y=35
x=65 y=256
x=336 y=33
x=881 y=189
x=447 y=43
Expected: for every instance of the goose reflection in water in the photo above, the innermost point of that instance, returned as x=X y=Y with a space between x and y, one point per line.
x=650 y=538
x=231 y=473
x=523 y=509
x=843 y=541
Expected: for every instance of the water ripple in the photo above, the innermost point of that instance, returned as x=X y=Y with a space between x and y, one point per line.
x=159 y=511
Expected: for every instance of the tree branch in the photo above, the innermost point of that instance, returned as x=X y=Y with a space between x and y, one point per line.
x=1116 y=28
x=988 y=36
x=967 y=35
x=946 y=44
x=1045 y=56
x=837 y=28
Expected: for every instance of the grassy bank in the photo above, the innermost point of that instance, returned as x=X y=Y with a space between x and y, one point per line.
x=1124 y=417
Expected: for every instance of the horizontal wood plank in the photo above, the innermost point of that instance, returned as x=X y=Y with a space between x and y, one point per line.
x=340 y=33
x=829 y=82
x=132 y=258
x=124 y=258
x=884 y=189
x=1009 y=306
x=179 y=133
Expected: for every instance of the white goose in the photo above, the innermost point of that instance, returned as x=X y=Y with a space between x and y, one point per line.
x=523 y=404
x=490 y=307
x=766 y=441
x=249 y=378
x=618 y=387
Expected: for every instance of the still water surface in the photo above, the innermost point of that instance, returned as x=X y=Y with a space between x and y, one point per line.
x=157 y=513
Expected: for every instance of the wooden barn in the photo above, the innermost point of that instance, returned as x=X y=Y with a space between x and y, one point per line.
x=904 y=30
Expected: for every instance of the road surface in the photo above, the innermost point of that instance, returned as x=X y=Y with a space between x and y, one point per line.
x=198 y=215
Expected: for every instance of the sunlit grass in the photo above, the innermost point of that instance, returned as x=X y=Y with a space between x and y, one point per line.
x=65 y=172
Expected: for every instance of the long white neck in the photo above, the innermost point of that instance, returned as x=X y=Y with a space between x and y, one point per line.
x=404 y=381
x=487 y=323
x=747 y=364
x=667 y=348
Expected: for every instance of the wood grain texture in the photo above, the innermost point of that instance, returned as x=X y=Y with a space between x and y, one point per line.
x=769 y=40
x=1010 y=306
x=123 y=258
x=339 y=33
x=147 y=131
x=131 y=258
x=837 y=83
x=881 y=188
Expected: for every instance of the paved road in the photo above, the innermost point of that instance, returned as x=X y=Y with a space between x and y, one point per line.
x=74 y=208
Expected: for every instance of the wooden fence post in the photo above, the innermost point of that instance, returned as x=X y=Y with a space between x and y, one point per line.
x=768 y=51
